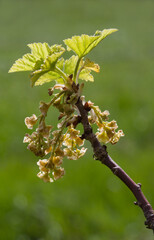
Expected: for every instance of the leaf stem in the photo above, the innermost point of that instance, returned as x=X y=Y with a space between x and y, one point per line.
x=61 y=73
x=56 y=96
x=78 y=73
x=75 y=71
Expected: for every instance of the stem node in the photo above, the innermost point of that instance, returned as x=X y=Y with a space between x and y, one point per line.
x=115 y=170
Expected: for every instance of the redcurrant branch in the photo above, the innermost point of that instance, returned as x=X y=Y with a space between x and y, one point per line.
x=101 y=154
x=46 y=64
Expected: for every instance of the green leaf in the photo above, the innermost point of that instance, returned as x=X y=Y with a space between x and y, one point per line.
x=69 y=65
x=91 y=65
x=57 y=48
x=48 y=65
x=34 y=60
x=40 y=50
x=50 y=76
x=83 y=44
x=26 y=63
x=86 y=75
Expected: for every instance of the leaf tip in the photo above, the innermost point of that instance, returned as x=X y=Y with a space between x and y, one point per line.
x=12 y=69
x=115 y=29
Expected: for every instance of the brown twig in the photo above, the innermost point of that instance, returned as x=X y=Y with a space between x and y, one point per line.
x=100 y=153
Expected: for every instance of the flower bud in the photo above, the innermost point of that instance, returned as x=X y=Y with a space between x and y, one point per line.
x=50 y=91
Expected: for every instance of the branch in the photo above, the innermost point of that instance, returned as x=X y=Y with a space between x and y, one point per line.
x=100 y=153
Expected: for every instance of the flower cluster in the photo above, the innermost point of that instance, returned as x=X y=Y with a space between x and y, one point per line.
x=66 y=140
x=72 y=140
x=47 y=166
x=52 y=165
x=38 y=141
x=58 y=146
x=63 y=145
x=106 y=130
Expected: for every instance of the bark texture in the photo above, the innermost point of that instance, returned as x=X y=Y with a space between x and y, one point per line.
x=101 y=154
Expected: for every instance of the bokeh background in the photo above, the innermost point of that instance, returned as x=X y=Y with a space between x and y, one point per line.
x=89 y=203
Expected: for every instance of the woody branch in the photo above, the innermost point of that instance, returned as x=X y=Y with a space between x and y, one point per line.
x=101 y=154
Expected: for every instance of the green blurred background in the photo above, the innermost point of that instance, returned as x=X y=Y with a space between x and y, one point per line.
x=89 y=203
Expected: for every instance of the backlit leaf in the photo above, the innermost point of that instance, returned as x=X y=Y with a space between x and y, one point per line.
x=26 y=63
x=69 y=67
x=83 y=44
x=86 y=75
x=48 y=65
x=91 y=65
x=57 y=48
x=40 y=50
x=50 y=76
x=34 y=60
x=70 y=64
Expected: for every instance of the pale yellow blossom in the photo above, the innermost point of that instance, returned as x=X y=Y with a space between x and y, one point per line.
x=74 y=154
x=57 y=161
x=58 y=173
x=30 y=121
x=43 y=165
x=45 y=176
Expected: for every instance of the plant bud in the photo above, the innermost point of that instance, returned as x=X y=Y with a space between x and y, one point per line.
x=50 y=91
x=87 y=107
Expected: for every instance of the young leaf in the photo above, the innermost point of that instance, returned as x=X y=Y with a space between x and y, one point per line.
x=33 y=61
x=26 y=63
x=50 y=76
x=70 y=64
x=91 y=65
x=86 y=76
x=69 y=67
x=83 y=44
x=48 y=65
x=40 y=50
x=57 y=48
